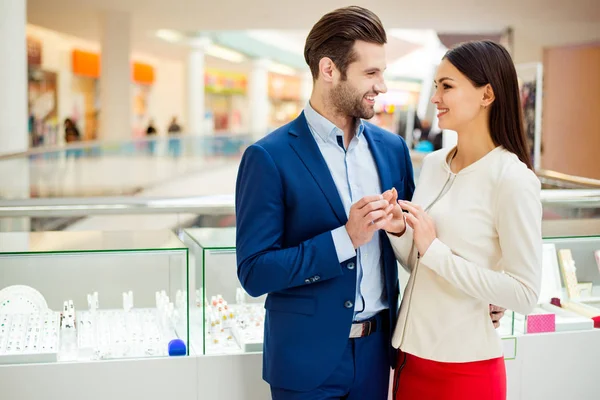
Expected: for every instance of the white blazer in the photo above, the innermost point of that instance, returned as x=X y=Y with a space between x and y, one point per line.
x=488 y=251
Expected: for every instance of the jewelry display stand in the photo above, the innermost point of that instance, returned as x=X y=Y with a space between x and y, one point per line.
x=31 y=333
x=230 y=328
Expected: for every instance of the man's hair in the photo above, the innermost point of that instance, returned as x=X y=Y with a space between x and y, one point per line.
x=334 y=36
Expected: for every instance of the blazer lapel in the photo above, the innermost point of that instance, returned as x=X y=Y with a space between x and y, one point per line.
x=307 y=149
x=378 y=151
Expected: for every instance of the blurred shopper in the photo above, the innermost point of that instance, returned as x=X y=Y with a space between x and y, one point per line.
x=470 y=237
x=72 y=135
x=174 y=129
x=71 y=132
x=150 y=130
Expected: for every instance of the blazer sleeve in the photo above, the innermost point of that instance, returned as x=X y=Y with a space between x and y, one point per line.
x=263 y=264
x=403 y=244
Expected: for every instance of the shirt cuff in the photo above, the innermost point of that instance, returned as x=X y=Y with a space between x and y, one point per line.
x=434 y=255
x=343 y=244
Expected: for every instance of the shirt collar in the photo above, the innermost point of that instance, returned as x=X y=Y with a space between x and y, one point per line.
x=323 y=127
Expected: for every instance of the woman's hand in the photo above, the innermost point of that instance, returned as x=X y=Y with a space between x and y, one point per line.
x=422 y=225
x=397 y=225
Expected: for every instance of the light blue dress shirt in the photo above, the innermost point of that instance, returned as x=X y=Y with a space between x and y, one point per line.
x=355 y=175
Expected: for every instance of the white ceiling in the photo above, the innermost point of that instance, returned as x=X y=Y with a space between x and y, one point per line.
x=544 y=22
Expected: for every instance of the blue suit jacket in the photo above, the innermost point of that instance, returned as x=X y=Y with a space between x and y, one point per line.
x=286 y=206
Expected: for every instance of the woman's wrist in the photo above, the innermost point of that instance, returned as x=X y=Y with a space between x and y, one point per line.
x=398 y=234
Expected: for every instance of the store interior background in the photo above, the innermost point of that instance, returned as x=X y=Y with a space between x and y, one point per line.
x=230 y=72
x=248 y=37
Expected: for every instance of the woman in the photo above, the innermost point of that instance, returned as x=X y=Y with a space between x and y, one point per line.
x=71 y=131
x=471 y=235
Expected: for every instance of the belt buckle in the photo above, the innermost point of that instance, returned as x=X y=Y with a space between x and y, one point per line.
x=366 y=328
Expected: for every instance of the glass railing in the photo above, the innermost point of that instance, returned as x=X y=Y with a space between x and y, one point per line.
x=116 y=213
x=565 y=212
x=98 y=185
x=113 y=169
x=158 y=146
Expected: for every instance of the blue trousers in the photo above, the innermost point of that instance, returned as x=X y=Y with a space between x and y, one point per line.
x=363 y=373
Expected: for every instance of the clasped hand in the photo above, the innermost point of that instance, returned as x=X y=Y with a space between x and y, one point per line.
x=385 y=211
x=424 y=232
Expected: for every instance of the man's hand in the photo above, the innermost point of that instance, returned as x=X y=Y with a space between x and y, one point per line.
x=397 y=225
x=367 y=216
x=496 y=313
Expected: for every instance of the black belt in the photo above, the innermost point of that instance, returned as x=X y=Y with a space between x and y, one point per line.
x=376 y=323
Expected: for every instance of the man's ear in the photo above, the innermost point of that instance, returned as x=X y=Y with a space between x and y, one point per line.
x=327 y=69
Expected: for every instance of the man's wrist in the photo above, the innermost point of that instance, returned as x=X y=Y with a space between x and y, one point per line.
x=351 y=238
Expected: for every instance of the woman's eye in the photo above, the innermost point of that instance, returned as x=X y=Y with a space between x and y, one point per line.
x=447 y=86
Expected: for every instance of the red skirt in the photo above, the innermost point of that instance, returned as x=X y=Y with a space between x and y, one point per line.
x=419 y=379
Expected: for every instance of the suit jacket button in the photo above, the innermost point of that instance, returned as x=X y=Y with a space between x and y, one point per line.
x=316 y=278
x=307 y=281
x=348 y=304
x=350 y=265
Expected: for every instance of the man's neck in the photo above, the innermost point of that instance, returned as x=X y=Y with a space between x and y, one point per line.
x=346 y=123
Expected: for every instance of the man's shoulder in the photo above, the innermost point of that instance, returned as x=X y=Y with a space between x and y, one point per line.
x=388 y=137
x=277 y=137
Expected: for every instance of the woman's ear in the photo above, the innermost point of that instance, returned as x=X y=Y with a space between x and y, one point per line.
x=488 y=96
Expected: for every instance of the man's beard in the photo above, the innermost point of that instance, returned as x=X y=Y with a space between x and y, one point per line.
x=349 y=102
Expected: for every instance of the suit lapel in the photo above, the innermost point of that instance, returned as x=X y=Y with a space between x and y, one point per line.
x=377 y=150
x=307 y=149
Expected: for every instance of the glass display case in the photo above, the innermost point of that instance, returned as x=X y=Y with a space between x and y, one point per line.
x=570 y=293
x=224 y=319
x=83 y=296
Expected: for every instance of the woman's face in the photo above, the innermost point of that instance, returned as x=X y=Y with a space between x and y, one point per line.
x=458 y=101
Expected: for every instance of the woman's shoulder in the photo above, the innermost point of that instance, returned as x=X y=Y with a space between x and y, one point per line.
x=512 y=173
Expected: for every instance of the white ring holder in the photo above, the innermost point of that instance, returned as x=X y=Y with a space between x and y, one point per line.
x=21 y=299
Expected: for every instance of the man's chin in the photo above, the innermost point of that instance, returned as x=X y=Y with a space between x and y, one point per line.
x=368 y=114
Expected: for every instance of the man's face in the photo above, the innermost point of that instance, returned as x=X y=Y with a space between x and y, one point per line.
x=355 y=95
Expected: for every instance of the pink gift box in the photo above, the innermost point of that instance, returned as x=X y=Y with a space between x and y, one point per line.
x=539 y=323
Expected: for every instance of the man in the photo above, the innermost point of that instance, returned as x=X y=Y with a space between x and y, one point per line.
x=309 y=213
x=174 y=127
x=309 y=218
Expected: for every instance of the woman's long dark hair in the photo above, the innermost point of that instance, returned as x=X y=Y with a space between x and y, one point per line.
x=486 y=62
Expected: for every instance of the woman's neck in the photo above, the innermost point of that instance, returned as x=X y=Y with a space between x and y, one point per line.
x=471 y=147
